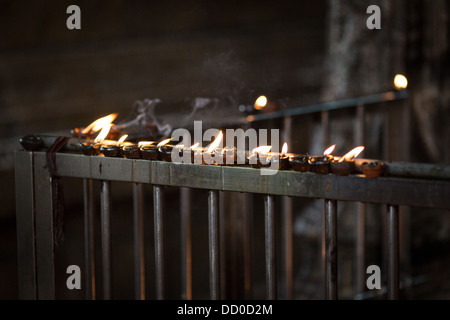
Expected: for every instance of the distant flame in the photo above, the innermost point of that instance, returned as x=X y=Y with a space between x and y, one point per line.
x=122 y=139
x=100 y=123
x=400 y=82
x=215 y=143
x=194 y=146
x=284 y=150
x=352 y=154
x=329 y=150
x=163 y=142
x=102 y=135
x=260 y=103
x=145 y=143
x=262 y=150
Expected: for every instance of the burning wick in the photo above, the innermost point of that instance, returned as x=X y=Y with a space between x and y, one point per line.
x=329 y=151
x=352 y=154
x=346 y=164
x=121 y=140
x=145 y=143
x=103 y=134
x=99 y=123
x=163 y=142
x=215 y=143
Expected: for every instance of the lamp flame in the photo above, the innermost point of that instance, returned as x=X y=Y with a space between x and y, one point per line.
x=352 y=154
x=194 y=146
x=284 y=150
x=102 y=135
x=215 y=143
x=145 y=143
x=329 y=150
x=262 y=150
x=122 y=139
x=163 y=142
x=400 y=82
x=99 y=123
x=260 y=103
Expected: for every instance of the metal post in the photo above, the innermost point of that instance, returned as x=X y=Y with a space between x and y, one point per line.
x=287 y=226
x=89 y=246
x=393 y=252
x=214 y=254
x=271 y=272
x=248 y=236
x=288 y=256
x=186 y=247
x=158 y=200
x=26 y=254
x=360 y=254
x=331 y=272
x=138 y=230
x=44 y=229
x=105 y=196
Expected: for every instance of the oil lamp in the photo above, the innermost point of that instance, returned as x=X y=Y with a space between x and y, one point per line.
x=90 y=149
x=373 y=169
x=260 y=157
x=113 y=150
x=148 y=150
x=321 y=164
x=346 y=164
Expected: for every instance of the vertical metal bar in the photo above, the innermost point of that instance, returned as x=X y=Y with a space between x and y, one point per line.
x=44 y=228
x=360 y=214
x=186 y=247
x=325 y=119
x=288 y=257
x=287 y=225
x=214 y=254
x=331 y=250
x=271 y=272
x=89 y=248
x=393 y=252
x=25 y=225
x=360 y=254
x=105 y=201
x=248 y=236
x=158 y=202
x=138 y=228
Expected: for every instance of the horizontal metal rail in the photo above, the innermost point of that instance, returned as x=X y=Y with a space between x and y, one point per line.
x=392 y=190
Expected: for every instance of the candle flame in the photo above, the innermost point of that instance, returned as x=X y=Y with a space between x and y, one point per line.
x=102 y=135
x=145 y=143
x=400 y=82
x=194 y=146
x=262 y=150
x=122 y=139
x=163 y=142
x=329 y=150
x=215 y=143
x=352 y=154
x=260 y=103
x=284 y=150
x=100 y=123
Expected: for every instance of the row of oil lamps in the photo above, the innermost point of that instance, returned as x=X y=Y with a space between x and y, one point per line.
x=260 y=157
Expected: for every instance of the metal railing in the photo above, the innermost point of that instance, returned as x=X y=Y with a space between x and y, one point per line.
x=35 y=191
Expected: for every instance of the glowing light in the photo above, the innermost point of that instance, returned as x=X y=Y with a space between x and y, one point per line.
x=102 y=135
x=215 y=143
x=260 y=103
x=100 y=123
x=163 y=142
x=352 y=154
x=145 y=143
x=262 y=150
x=284 y=150
x=122 y=139
x=329 y=150
x=400 y=82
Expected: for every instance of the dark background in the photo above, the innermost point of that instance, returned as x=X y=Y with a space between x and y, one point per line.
x=296 y=52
